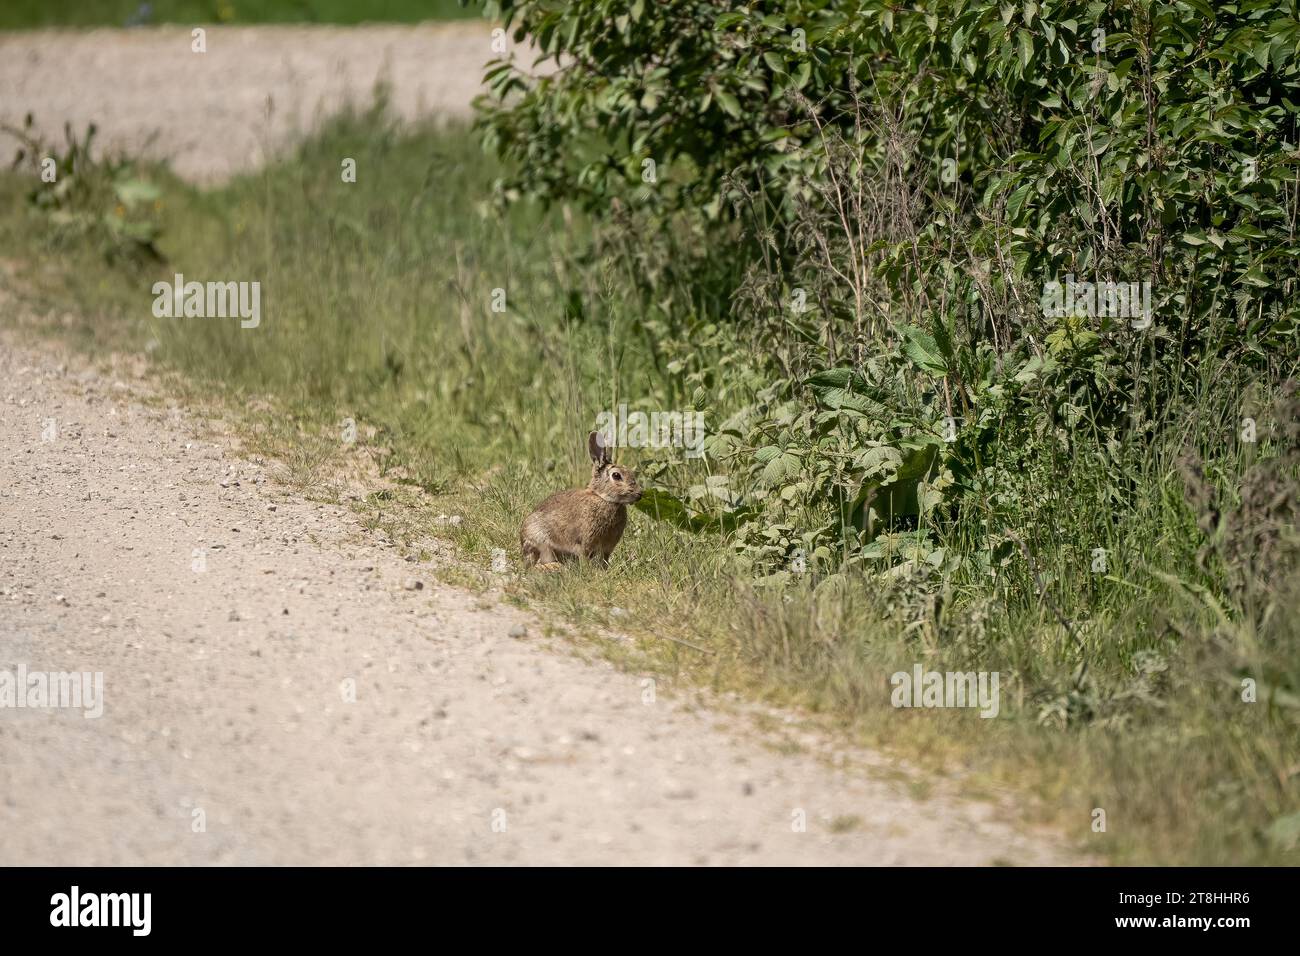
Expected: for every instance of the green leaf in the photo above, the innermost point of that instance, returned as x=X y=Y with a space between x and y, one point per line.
x=728 y=102
x=132 y=191
x=664 y=506
x=781 y=467
x=845 y=389
x=920 y=347
x=1026 y=47
x=1284 y=832
x=1017 y=201
x=879 y=462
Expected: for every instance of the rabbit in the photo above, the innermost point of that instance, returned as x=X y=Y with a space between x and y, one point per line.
x=583 y=523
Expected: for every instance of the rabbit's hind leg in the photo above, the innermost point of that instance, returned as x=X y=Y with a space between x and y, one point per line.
x=535 y=546
x=541 y=555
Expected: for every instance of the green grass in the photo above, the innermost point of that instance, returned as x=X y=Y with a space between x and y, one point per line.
x=377 y=307
x=32 y=14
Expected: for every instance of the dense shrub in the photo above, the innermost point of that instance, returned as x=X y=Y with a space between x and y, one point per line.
x=1108 y=135
x=887 y=193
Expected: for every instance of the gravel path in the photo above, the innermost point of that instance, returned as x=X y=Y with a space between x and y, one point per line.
x=150 y=94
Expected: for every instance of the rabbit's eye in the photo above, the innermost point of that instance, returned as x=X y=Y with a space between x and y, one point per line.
x=616 y=476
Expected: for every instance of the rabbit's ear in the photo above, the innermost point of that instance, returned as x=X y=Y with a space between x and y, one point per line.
x=596 y=448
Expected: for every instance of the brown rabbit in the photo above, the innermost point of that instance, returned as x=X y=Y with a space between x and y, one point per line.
x=584 y=522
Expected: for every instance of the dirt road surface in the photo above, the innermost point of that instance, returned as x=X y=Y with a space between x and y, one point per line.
x=280 y=686
x=229 y=109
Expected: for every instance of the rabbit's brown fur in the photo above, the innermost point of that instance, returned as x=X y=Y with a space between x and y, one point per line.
x=584 y=523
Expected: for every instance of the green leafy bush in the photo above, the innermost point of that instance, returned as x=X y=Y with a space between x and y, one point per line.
x=1156 y=136
x=886 y=193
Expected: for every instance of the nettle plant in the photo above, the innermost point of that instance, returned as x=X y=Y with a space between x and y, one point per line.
x=912 y=179
x=82 y=195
